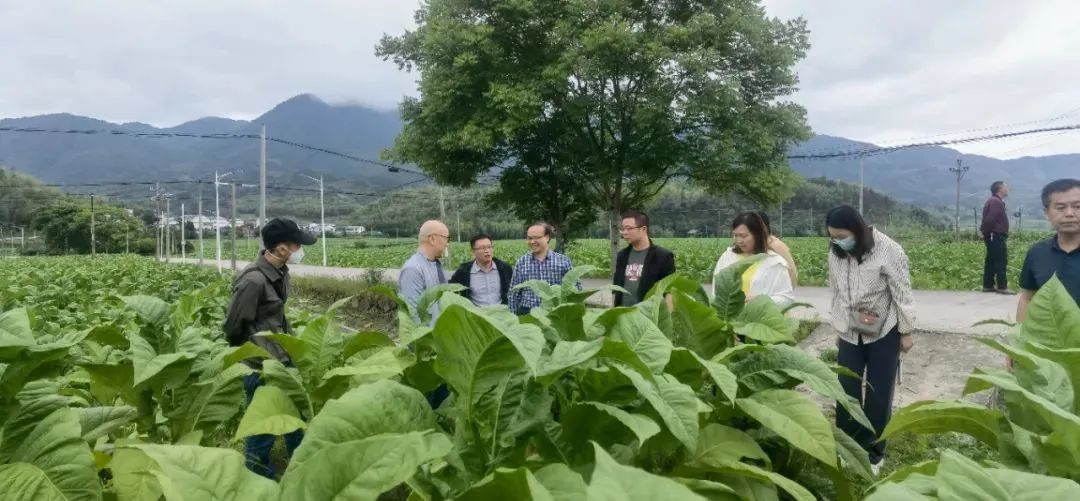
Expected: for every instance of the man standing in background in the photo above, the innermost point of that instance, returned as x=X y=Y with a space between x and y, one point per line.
x=641 y=264
x=995 y=231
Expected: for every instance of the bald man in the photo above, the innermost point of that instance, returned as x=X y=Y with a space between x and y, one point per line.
x=424 y=270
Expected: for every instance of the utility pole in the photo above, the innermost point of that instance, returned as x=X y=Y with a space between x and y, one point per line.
x=442 y=216
x=322 y=216
x=200 y=226
x=861 y=190
x=233 y=186
x=93 y=235
x=183 y=238
x=781 y=219
x=217 y=215
x=168 y=229
x=959 y=170
x=262 y=180
x=458 y=213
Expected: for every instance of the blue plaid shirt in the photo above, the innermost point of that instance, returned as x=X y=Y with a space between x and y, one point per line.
x=550 y=270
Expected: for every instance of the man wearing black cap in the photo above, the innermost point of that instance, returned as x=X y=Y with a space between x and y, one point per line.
x=258 y=305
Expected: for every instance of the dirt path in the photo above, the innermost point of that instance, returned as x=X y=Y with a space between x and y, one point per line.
x=936 y=368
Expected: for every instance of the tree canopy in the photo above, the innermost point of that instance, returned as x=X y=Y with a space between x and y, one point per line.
x=588 y=106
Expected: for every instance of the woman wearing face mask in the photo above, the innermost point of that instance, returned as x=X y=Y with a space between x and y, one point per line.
x=872 y=310
x=767 y=277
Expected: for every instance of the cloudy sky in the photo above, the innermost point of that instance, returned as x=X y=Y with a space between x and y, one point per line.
x=876 y=72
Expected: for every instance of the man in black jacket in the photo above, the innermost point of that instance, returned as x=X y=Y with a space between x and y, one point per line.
x=641 y=264
x=258 y=305
x=487 y=277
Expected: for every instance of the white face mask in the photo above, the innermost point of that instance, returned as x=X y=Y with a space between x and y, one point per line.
x=297 y=256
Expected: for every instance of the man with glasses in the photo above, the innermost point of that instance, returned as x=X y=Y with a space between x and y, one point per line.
x=540 y=263
x=423 y=270
x=642 y=263
x=486 y=276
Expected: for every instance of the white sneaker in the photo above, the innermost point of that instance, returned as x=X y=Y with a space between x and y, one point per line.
x=875 y=468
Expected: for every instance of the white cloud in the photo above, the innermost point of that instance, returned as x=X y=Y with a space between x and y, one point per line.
x=883 y=72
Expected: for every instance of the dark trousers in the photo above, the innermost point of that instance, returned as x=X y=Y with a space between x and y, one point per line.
x=257 y=447
x=997 y=261
x=879 y=360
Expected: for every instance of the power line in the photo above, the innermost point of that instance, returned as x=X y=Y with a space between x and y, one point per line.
x=878 y=150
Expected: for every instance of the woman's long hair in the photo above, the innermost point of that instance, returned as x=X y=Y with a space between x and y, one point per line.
x=845 y=217
x=758 y=228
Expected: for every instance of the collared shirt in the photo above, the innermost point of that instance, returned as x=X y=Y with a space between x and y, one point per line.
x=880 y=284
x=485 y=285
x=550 y=270
x=995 y=217
x=419 y=274
x=1046 y=258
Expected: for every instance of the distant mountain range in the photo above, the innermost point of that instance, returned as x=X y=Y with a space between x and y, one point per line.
x=919 y=176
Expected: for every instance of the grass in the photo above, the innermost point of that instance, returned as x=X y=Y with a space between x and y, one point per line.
x=806 y=327
x=368 y=310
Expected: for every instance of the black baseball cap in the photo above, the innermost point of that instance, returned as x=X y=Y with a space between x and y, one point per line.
x=280 y=230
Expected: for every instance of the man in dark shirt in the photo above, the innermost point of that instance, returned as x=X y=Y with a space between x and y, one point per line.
x=258 y=305
x=995 y=231
x=642 y=263
x=1059 y=254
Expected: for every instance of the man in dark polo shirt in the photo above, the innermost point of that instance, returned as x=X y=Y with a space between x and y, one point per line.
x=995 y=231
x=1059 y=254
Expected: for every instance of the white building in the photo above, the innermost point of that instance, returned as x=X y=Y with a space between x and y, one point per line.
x=353 y=230
x=314 y=228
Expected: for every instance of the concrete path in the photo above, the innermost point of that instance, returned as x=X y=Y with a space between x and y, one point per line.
x=936 y=311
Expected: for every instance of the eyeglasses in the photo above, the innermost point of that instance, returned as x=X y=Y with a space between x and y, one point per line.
x=628 y=228
x=484 y=248
x=534 y=239
x=447 y=237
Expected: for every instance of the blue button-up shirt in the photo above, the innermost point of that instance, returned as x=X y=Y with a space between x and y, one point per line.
x=484 y=286
x=550 y=270
x=419 y=274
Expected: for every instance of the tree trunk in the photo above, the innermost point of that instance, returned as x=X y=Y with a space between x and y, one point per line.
x=614 y=220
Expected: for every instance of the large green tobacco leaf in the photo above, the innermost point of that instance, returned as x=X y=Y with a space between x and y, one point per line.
x=719 y=446
x=288 y=379
x=51 y=462
x=148 y=364
x=690 y=368
x=150 y=309
x=15 y=333
x=372 y=409
x=475 y=355
x=562 y=483
x=728 y=297
x=615 y=482
x=762 y=320
x=675 y=402
x=132 y=478
x=640 y=334
x=1053 y=318
x=189 y=472
x=852 y=455
x=564 y=357
x=505 y=415
x=697 y=327
x=604 y=424
x=1042 y=376
x=796 y=419
x=365 y=468
x=97 y=422
x=269 y=413
x=777 y=365
x=211 y=403
x=505 y=483
x=938 y=417
x=324 y=341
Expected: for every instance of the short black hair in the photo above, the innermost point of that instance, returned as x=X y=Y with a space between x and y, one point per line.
x=548 y=228
x=757 y=227
x=640 y=218
x=846 y=217
x=477 y=237
x=996 y=186
x=1059 y=186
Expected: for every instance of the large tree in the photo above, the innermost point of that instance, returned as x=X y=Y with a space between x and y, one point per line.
x=609 y=99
